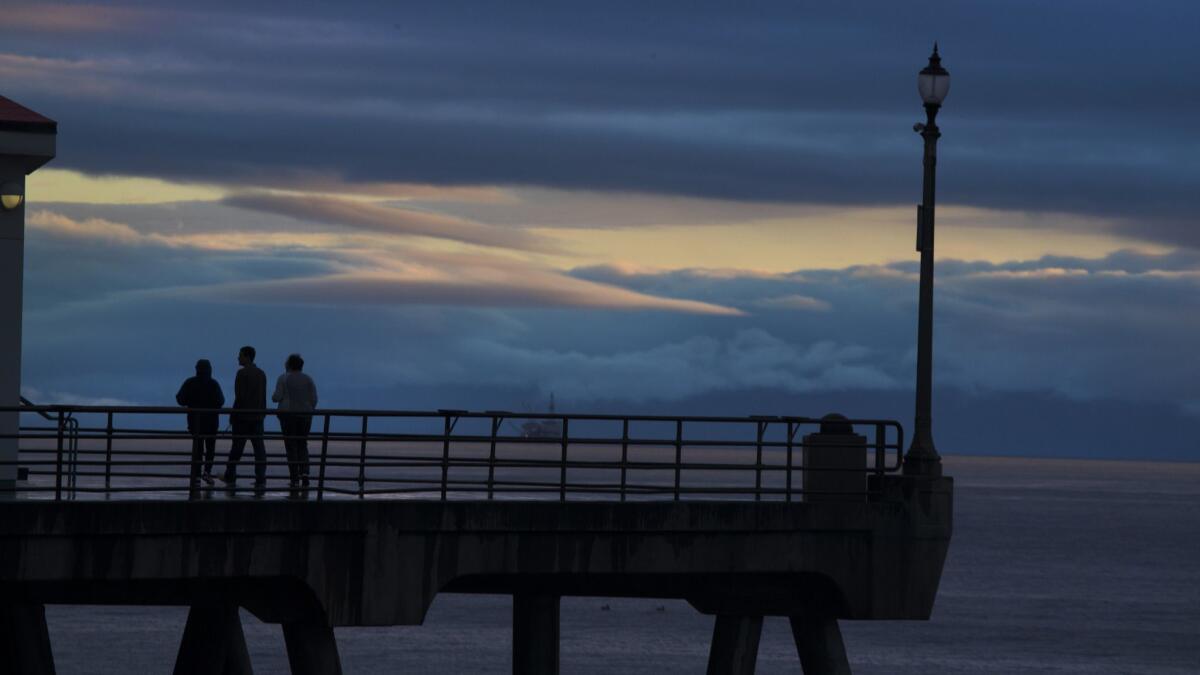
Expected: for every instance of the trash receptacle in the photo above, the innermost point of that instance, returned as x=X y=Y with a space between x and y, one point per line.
x=838 y=459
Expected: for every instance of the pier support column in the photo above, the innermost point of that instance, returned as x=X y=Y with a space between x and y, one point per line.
x=24 y=640
x=535 y=634
x=311 y=648
x=213 y=643
x=819 y=642
x=734 y=648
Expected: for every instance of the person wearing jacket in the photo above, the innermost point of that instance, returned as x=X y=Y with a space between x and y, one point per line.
x=249 y=393
x=202 y=395
x=296 y=395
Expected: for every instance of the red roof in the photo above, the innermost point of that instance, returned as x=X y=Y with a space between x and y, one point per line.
x=16 y=117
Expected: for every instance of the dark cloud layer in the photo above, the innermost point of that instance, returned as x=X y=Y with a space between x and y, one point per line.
x=1070 y=106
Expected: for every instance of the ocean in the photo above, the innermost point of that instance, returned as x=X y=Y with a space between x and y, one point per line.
x=1056 y=566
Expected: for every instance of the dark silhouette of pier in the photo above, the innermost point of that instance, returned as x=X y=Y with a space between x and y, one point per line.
x=741 y=517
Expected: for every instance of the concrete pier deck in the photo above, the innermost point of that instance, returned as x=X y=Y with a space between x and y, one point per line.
x=376 y=563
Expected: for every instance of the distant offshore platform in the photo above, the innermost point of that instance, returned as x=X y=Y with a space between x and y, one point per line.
x=543 y=428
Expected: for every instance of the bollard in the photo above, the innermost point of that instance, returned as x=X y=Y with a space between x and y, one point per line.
x=834 y=461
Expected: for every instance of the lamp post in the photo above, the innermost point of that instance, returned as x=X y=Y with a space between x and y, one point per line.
x=933 y=83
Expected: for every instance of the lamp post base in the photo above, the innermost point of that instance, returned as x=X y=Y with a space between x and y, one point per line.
x=922 y=462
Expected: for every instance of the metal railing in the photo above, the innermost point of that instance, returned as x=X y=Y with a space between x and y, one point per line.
x=70 y=432
x=76 y=452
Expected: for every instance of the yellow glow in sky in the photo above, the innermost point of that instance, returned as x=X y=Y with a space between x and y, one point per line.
x=841 y=238
x=58 y=185
x=755 y=238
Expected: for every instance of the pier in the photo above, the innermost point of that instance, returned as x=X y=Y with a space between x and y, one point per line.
x=721 y=512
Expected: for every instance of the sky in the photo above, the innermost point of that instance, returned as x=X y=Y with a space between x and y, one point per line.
x=670 y=207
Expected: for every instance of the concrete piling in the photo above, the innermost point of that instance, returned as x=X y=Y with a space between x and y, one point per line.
x=24 y=639
x=819 y=642
x=535 y=634
x=311 y=648
x=734 y=649
x=213 y=642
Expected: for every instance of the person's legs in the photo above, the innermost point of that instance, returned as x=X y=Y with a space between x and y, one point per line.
x=287 y=425
x=197 y=457
x=210 y=455
x=260 y=454
x=303 y=427
x=236 y=448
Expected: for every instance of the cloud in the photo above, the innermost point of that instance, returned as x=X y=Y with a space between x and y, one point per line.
x=751 y=358
x=488 y=198
x=101 y=230
x=581 y=208
x=359 y=268
x=795 y=301
x=92 y=228
x=1084 y=328
x=39 y=397
x=472 y=288
x=390 y=220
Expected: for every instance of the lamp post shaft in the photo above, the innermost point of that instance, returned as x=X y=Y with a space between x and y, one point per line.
x=922 y=457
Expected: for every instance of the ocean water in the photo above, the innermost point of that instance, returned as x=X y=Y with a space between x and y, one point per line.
x=1055 y=567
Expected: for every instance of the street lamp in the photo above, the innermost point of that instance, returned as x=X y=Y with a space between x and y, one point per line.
x=11 y=195
x=933 y=83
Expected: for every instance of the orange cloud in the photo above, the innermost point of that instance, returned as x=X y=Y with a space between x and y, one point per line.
x=90 y=228
x=111 y=232
x=391 y=220
x=482 y=286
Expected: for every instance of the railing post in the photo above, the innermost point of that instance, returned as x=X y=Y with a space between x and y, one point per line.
x=108 y=434
x=362 y=460
x=491 y=479
x=791 y=435
x=624 y=453
x=324 y=455
x=880 y=450
x=73 y=443
x=758 y=461
x=562 y=486
x=678 y=455
x=445 y=455
x=58 y=460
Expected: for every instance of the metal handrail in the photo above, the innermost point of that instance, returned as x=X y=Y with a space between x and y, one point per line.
x=354 y=455
x=71 y=437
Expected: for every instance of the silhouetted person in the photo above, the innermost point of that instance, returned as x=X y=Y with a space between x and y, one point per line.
x=202 y=392
x=249 y=393
x=296 y=395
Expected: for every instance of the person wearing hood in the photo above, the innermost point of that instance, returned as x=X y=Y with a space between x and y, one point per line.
x=202 y=394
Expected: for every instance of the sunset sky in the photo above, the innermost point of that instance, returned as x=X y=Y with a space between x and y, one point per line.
x=697 y=207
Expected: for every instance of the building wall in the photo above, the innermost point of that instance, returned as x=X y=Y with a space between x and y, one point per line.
x=12 y=243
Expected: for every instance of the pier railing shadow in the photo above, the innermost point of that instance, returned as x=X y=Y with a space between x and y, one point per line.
x=121 y=452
